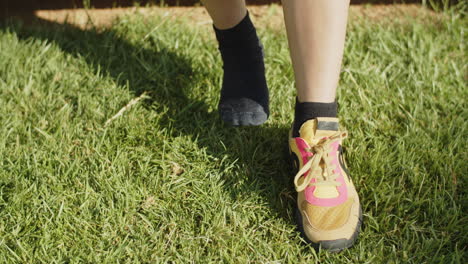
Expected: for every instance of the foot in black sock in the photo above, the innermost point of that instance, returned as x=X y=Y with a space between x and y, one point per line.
x=244 y=94
x=310 y=110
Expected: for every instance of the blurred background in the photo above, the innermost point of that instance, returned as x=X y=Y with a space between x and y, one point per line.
x=13 y=6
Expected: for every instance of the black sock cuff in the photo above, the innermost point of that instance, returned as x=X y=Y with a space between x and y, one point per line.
x=310 y=110
x=240 y=33
x=316 y=109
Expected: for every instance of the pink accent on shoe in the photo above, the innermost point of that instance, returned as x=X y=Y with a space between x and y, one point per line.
x=302 y=146
x=309 y=191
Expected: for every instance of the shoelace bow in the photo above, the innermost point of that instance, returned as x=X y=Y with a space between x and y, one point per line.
x=325 y=174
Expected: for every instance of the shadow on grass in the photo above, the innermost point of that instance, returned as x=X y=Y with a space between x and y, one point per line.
x=169 y=84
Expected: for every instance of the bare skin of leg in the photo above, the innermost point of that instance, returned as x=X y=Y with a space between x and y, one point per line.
x=225 y=13
x=316 y=34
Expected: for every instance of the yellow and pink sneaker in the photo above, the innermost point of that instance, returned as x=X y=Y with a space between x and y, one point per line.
x=328 y=211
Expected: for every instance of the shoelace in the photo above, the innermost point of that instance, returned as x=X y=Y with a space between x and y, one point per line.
x=325 y=174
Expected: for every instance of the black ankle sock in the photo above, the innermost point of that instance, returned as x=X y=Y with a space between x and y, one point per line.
x=244 y=94
x=310 y=110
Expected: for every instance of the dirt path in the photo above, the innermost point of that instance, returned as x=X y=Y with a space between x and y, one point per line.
x=263 y=15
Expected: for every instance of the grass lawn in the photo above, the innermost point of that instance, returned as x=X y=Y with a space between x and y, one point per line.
x=167 y=182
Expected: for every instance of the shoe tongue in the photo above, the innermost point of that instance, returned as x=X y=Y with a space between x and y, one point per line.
x=312 y=131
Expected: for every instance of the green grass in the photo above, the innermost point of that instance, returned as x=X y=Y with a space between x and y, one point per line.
x=168 y=182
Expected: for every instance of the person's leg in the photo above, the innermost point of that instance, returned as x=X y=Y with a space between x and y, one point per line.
x=244 y=92
x=328 y=205
x=316 y=33
x=225 y=13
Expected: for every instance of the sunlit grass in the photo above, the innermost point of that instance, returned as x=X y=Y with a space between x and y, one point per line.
x=168 y=182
